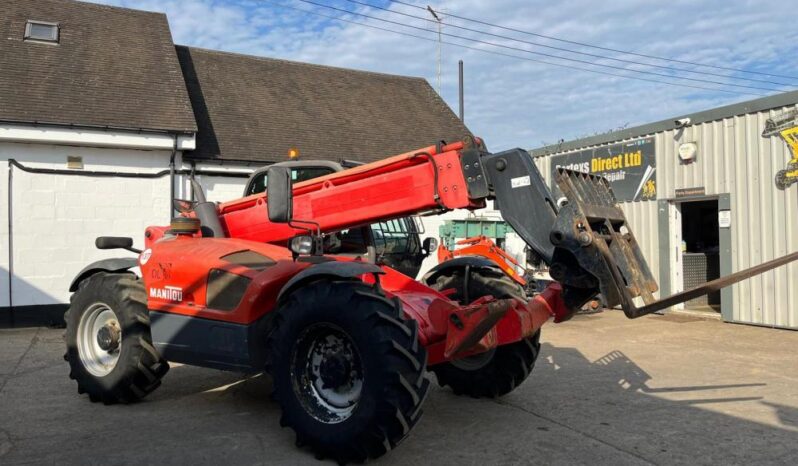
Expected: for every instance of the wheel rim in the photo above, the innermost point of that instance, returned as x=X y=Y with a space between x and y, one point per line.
x=99 y=339
x=327 y=373
x=477 y=361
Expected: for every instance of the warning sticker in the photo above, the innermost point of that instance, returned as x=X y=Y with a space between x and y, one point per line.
x=520 y=181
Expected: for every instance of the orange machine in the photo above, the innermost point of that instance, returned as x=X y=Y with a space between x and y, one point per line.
x=485 y=247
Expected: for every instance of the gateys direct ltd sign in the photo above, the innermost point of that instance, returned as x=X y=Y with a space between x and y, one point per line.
x=628 y=166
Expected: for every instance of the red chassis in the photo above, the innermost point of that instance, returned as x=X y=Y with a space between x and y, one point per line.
x=447 y=329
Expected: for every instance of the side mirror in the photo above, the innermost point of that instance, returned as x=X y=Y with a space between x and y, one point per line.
x=279 y=194
x=429 y=245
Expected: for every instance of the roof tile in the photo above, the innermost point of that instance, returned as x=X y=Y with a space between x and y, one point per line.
x=255 y=109
x=113 y=67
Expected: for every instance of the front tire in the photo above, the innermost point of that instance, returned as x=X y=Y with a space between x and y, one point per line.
x=109 y=347
x=348 y=370
x=502 y=369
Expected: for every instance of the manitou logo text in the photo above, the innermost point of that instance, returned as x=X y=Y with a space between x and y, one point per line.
x=167 y=293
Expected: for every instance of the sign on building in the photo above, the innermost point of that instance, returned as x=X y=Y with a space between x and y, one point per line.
x=628 y=166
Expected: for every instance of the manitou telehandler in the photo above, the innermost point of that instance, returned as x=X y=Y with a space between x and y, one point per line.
x=245 y=286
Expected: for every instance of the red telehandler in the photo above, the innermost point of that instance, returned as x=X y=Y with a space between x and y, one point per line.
x=245 y=286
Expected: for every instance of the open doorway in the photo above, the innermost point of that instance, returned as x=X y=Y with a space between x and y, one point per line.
x=700 y=248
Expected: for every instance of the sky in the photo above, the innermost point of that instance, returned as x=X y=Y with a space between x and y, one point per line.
x=514 y=102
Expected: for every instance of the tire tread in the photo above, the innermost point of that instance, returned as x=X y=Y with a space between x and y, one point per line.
x=142 y=372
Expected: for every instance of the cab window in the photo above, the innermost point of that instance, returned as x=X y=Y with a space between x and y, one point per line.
x=396 y=237
x=349 y=241
x=298 y=175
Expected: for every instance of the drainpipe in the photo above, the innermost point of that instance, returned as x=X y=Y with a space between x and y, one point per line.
x=191 y=177
x=10 y=247
x=172 y=178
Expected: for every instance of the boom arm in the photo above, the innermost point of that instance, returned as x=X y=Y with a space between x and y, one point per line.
x=587 y=244
x=426 y=180
x=429 y=180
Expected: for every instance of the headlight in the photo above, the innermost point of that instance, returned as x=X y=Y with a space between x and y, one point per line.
x=301 y=244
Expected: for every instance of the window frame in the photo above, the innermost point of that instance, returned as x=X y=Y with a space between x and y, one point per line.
x=27 y=37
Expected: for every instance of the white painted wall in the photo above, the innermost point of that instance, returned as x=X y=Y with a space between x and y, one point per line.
x=217 y=188
x=57 y=217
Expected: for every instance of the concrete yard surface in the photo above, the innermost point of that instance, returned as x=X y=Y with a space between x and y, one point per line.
x=668 y=389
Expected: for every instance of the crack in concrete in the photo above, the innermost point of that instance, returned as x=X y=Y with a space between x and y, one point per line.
x=38 y=369
x=6 y=445
x=573 y=429
x=33 y=341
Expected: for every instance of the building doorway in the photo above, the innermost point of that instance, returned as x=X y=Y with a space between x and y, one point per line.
x=700 y=250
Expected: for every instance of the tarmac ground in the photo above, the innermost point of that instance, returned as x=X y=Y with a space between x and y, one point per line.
x=673 y=389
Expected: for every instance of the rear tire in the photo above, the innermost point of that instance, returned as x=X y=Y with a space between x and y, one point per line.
x=495 y=372
x=348 y=370
x=109 y=347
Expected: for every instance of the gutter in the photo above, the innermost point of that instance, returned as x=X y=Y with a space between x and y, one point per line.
x=112 y=174
x=74 y=135
x=130 y=129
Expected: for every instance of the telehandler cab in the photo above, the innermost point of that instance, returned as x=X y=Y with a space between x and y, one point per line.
x=396 y=242
x=245 y=286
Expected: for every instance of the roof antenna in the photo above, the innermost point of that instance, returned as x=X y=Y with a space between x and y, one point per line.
x=462 y=103
x=440 y=43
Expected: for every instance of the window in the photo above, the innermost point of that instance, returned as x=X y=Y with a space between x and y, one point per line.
x=399 y=236
x=299 y=174
x=41 y=31
x=349 y=241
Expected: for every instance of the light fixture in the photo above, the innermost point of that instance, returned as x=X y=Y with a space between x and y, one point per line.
x=687 y=151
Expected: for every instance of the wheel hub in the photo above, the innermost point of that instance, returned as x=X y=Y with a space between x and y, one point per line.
x=108 y=336
x=99 y=339
x=334 y=370
x=327 y=372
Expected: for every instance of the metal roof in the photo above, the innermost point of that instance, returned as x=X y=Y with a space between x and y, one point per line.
x=740 y=108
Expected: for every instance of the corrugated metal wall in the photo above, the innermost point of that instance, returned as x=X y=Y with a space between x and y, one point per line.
x=732 y=158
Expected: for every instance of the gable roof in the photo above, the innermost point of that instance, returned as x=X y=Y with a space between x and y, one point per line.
x=113 y=67
x=255 y=109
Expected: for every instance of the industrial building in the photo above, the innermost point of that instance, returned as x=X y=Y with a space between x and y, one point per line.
x=700 y=193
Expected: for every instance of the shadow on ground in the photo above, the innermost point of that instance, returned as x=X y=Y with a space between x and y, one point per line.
x=571 y=411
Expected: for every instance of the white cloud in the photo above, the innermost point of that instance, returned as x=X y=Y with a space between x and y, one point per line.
x=513 y=102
